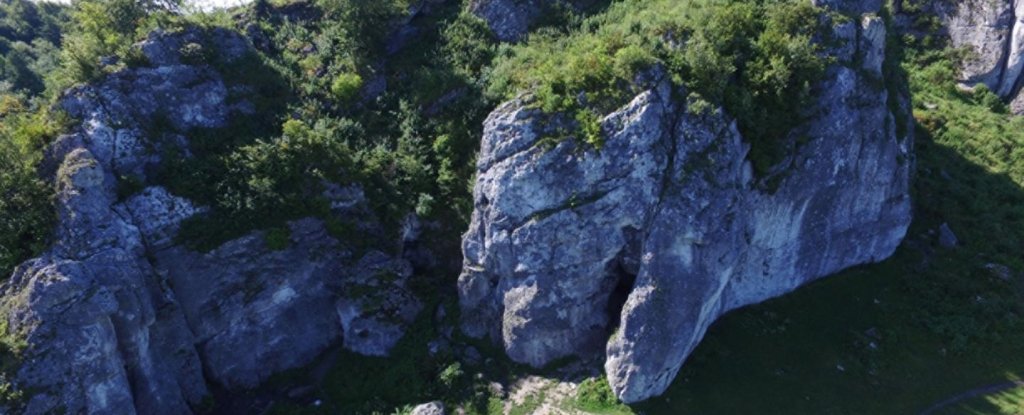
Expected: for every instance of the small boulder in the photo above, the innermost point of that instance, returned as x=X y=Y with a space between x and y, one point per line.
x=1000 y=271
x=432 y=408
x=471 y=356
x=947 y=239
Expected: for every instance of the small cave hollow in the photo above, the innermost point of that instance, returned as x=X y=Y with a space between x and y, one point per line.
x=624 y=281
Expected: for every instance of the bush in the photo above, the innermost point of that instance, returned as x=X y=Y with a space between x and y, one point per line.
x=267 y=183
x=755 y=59
x=595 y=395
x=107 y=28
x=346 y=86
x=468 y=44
x=988 y=99
x=26 y=213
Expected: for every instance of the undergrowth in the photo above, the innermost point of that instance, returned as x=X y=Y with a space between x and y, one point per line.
x=758 y=59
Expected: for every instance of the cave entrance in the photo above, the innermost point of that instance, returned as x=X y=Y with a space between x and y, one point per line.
x=624 y=281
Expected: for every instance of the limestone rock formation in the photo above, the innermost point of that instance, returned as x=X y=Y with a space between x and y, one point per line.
x=993 y=33
x=432 y=408
x=119 y=319
x=637 y=248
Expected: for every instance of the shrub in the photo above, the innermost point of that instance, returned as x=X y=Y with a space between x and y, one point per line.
x=26 y=214
x=107 y=28
x=755 y=59
x=451 y=375
x=346 y=86
x=596 y=395
x=277 y=239
x=988 y=99
x=468 y=44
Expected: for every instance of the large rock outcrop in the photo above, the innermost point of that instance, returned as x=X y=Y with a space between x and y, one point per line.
x=637 y=248
x=992 y=32
x=118 y=319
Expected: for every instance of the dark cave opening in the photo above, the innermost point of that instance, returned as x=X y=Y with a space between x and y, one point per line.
x=624 y=281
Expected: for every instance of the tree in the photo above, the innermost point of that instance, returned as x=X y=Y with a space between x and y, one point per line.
x=26 y=215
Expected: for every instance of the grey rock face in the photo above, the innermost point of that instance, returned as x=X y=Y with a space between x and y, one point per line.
x=255 y=312
x=637 y=248
x=432 y=408
x=377 y=309
x=993 y=31
x=947 y=239
x=511 y=20
x=508 y=19
x=119 y=319
x=103 y=335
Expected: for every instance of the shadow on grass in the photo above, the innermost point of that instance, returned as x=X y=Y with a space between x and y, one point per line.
x=890 y=338
x=1000 y=398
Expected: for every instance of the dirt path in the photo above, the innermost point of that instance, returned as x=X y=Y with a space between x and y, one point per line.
x=984 y=390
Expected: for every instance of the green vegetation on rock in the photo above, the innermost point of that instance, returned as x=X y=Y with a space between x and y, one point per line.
x=920 y=328
x=757 y=59
x=332 y=105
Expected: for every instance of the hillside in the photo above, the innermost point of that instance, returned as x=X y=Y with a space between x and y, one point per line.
x=344 y=206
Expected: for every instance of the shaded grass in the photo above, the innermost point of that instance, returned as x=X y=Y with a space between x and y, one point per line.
x=1009 y=402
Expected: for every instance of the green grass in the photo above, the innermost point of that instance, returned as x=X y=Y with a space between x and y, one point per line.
x=1009 y=402
x=595 y=396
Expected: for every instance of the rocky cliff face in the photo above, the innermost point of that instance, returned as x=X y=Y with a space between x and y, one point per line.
x=993 y=34
x=637 y=248
x=119 y=319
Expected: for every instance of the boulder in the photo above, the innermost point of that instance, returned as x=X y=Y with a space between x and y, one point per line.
x=947 y=239
x=432 y=408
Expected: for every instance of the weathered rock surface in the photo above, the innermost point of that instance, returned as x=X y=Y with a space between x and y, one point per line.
x=432 y=408
x=102 y=335
x=993 y=33
x=947 y=239
x=637 y=248
x=511 y=20
x=119 y=319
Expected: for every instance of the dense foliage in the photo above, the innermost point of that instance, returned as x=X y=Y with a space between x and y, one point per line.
x=757 y=59
x=30 y=35
x=26 y=214
x=325 y=117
